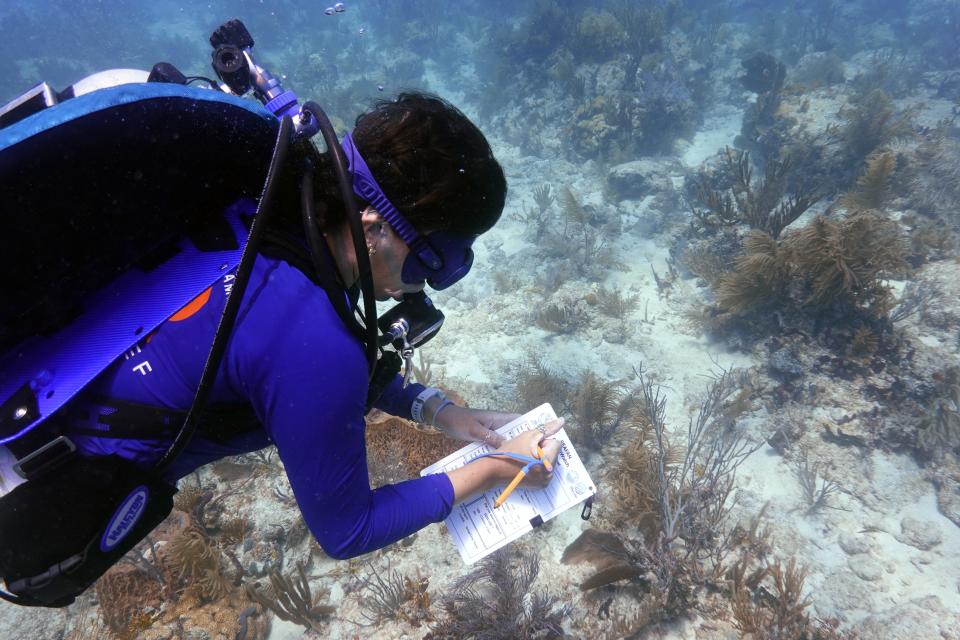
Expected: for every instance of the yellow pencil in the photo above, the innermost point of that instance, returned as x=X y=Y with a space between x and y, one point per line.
x=542 y=456
x=517 y=479
x=510 y=487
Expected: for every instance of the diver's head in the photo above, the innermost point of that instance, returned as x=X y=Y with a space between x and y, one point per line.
x=388 y=253
x=430 y=175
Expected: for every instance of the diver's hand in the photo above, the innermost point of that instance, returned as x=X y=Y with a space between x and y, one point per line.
x=483 y=474
x=526 y=443
x=472 y=425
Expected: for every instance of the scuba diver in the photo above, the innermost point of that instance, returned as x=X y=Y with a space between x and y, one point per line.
x=267 y=348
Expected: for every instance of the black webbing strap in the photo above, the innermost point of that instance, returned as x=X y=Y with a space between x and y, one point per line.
x=231 y=309
x=113 y=418
x=364 y=275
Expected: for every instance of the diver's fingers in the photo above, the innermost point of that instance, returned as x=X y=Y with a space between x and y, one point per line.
x=490 y=437
x=541 y=433
x=550 y=428
x=540 y=475
x=551 y=449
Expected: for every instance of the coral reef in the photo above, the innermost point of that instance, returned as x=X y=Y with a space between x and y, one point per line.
x=538 y=218
x=934 y=179
x=939 y=433
x=842 y=262
x=398 y=449
x=679 y=500
x=829 y=264
x=614 y=304
x=495 y=602
x=869 y=123
x=818 y=69
x=395 y=596
x=873 y=187
x=582 y=238
x=198 y=562
x=824 y=249
x=760 y=204
x=599 y=408
x=759 y=276
x=599 y=35
x=124 y=593
x=291 y=599
x=762 y=129
x=559 y=318
x=783 y=614
x=536 y=383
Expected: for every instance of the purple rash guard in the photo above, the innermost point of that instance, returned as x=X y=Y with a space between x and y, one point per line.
x=305 y=376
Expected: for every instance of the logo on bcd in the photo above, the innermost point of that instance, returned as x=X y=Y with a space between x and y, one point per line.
x=124 y=518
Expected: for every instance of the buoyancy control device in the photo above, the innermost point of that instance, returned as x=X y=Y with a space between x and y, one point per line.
x=120 y=206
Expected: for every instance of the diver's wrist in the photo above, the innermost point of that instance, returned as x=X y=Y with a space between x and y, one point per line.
x=425 y=404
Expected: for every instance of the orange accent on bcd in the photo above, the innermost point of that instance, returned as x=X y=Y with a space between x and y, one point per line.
x=191 y=307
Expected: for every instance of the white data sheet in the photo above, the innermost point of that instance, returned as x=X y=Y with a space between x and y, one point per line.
x=478 y=529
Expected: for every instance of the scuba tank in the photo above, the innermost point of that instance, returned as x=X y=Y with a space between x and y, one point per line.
x=125 y=196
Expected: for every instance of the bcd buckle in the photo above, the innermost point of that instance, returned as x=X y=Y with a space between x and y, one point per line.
x=45 y=458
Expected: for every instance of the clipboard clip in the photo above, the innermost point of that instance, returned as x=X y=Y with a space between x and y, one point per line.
x=587 y=509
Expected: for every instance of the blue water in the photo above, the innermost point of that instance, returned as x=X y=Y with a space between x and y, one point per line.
x=624 y=109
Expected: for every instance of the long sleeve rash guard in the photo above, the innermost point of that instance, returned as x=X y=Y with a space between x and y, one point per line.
x=305 y=376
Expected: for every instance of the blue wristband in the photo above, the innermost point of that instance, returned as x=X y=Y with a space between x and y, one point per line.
x=443 y=405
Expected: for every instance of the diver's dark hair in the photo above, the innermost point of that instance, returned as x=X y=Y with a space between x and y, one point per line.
x=432 y=163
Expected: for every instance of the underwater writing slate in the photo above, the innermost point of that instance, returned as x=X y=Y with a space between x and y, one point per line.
x=478 y=529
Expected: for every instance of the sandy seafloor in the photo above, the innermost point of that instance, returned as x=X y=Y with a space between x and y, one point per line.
x=882 y=559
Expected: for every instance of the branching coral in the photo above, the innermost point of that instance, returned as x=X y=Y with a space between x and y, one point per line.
x=199 y=563
x=759 y=277
x=870 y=123
x=614 y=304
x=292 y=600
x=864 y=341
x=598 y=408
x=873 y=187
x=940 y=431
x=579 y=242
x=894 y=73
x=778 y=612
x=538 y=218
x=645 y=25
x=559 y=317
x=537 y=383
x=827 y=264
x=764 y=75
x=187 y=498
x=692 y=494
x=683 y=503
x=422 y=372
x=495 y=602
x=396 y=597
x=816 y=490
x=234 y=530
x=632 y=479
x=760 y=204
x=935 y=187
x=543 y=197
x=842 y=262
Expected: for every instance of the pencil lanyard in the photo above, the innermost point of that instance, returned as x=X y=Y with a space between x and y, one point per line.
x=530 y=461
